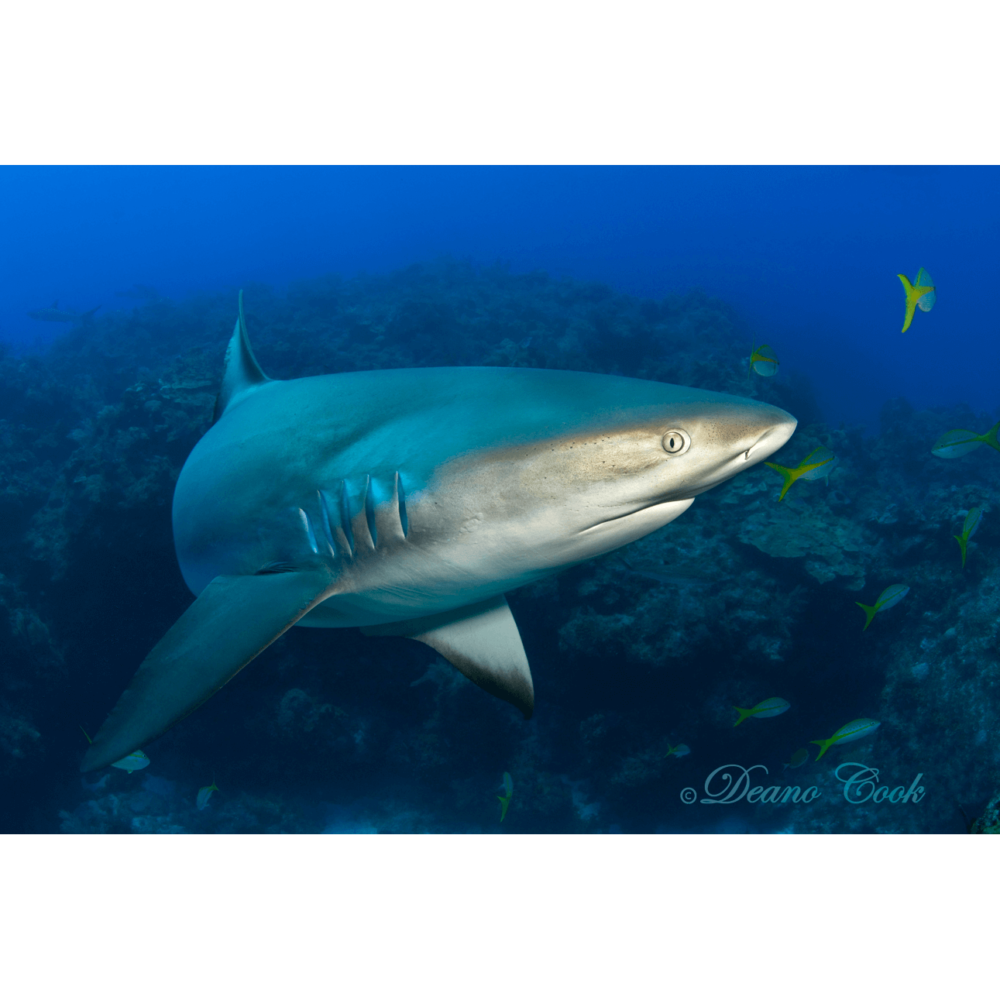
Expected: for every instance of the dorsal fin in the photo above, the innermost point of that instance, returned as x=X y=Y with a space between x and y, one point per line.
x=242 y=371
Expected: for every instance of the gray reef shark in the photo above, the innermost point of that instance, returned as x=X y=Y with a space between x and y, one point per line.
x=56 y=315
x=408 y=502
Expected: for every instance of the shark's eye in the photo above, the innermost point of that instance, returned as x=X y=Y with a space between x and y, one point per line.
x=676 y=442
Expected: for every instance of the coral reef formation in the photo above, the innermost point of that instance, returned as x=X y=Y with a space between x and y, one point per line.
x=989 y=822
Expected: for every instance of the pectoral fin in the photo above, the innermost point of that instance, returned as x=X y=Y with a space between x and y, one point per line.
x=233 y=619
x=482 y=642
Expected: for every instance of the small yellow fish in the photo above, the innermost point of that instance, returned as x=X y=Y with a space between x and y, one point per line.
x=204 y=794
x=926 y=301
x=808 y=468
x=955 y=444
x=508 y=787
x=889 y=598
x=855 y=730
x=798 y=759
x=681 y=750
x=972 y=522
x=135 y=761
x=822 y=469
x=920 y=293
x=766 y=709
x=763 y=361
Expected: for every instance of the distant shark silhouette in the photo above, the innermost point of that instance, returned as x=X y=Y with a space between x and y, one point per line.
x=408 y=502
x=57 y=315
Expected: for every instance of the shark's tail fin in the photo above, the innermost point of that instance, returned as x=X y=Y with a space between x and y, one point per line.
x=88 y=316
x=869 y=611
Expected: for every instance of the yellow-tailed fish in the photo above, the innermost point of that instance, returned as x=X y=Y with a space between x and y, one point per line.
x=763 y=361
x=681 y=750
x=133 y=762
x=889 y=598
x=809 y=468
x=920 y=293
x=926 y=301
x=856 y=730
x=767 y=709
x=508 y=787
x=972 y=521
x=823 y=469
x=798 y=759
x=955 y=444
x=204 y=794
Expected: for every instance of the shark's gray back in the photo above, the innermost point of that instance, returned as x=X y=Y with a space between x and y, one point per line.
x=277 y=445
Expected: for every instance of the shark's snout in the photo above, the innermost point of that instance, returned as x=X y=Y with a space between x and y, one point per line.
x=773 y=437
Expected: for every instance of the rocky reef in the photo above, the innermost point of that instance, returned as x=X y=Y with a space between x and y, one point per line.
x=989 y=822
x=742 y=598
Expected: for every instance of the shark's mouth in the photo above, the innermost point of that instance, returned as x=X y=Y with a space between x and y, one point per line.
x=642 y=520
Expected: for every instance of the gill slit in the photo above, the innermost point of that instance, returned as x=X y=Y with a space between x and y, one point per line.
x=369 y=505
x=345 y=516
x=404 y=522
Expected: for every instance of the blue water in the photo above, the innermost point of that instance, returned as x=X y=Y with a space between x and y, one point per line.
x=807 y=254
x=348 y=268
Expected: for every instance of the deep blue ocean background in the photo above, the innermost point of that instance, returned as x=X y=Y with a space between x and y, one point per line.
x=667 y=273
